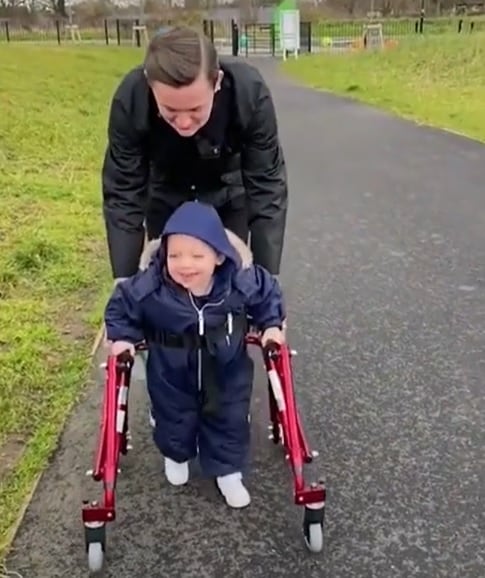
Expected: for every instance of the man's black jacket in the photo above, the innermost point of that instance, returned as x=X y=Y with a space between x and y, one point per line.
x=236 y=153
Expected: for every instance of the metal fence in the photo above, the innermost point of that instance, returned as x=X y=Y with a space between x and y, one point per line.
x=235 y=38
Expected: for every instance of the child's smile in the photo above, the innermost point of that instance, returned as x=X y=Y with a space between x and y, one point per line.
x=191 y=263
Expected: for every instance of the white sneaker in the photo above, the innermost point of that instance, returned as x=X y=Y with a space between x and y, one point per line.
x=233 y=490
x=177 y=474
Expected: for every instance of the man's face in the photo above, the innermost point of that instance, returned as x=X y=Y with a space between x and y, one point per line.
x=188 y=108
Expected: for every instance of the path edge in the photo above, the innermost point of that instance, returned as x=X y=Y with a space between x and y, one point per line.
x=390 y=113
x=12 y=534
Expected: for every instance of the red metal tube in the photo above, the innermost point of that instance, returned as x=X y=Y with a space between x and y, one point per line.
x=296 y=447
x=111 y=458
x=293 y=437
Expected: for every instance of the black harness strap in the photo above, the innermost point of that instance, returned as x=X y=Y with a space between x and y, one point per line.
x=206 y=344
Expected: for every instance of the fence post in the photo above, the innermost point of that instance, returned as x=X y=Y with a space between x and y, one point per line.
x=106 y=33
x=309 y=38
x=234 y=37
x=272 y=34
x=7 y=31
x=460 y=25
x=211 y=30
x=306 y=36
x=472 y=26
x=118 y=34
x=58 y=31
x=137 y=23
x=246 y=44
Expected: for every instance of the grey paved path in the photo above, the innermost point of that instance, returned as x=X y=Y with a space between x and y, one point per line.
x=385 y=274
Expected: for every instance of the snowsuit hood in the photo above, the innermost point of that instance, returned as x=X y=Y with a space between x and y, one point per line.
x=201 y=221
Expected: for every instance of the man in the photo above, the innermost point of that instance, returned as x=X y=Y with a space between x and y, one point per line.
x=185 y=126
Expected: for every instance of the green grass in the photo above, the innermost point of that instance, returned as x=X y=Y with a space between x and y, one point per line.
x=54 y=271
x=439 y=81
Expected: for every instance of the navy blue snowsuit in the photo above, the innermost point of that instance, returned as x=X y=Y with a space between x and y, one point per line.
x=199 y=373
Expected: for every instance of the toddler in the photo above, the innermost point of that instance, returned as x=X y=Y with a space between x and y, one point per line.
x=190 y=304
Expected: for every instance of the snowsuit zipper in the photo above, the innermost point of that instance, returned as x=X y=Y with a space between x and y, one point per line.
x=201 y=331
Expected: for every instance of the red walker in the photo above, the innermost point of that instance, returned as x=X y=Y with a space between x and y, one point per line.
x=285 y=427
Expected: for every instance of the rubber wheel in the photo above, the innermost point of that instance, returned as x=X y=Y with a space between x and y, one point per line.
x=95 y=557
x=314 y=538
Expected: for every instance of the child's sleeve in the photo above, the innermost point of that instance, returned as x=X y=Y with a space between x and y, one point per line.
x=264 y=298
x=123 y=314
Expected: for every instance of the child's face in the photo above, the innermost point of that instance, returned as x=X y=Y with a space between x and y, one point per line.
x=191 y=263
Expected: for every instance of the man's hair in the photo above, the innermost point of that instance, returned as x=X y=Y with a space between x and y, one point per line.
x=177 y=56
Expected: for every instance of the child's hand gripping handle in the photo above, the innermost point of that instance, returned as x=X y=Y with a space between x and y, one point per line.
x=271 y=349
x=119 y=348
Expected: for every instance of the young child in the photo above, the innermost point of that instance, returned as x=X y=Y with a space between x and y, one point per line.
x=190 y=304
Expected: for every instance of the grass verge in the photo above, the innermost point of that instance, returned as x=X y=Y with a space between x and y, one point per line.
x=439 y=81
x=54 y=272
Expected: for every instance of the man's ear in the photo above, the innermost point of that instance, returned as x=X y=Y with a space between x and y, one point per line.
x=220 y=259
x=220 y=76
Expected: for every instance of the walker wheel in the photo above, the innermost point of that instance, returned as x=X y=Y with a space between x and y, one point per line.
x=95 y=547
x=95 y=557
x=313 y=529
x=314 y=538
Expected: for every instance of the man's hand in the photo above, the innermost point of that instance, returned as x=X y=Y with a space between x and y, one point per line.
x=272 y=334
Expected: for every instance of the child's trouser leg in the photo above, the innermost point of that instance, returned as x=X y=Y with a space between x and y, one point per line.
x=223 y=450
x=177 y=441
x=172 y=388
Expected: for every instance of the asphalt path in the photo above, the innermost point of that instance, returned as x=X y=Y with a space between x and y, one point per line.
x=385 y=277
